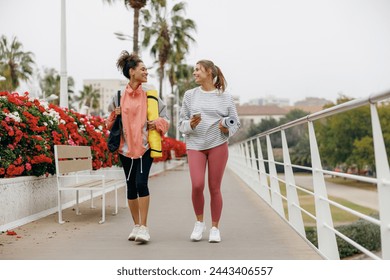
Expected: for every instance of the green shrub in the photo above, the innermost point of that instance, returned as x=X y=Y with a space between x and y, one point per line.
x=362 y=232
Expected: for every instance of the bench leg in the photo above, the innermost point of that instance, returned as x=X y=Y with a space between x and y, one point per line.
x=77 y=203
x=60 y=221
x=103 y=207
x=116 y=200
x=92 y=205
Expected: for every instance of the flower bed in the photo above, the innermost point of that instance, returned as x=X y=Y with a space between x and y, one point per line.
x=29 y=129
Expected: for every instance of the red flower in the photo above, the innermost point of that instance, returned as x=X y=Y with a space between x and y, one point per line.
x=30 y=137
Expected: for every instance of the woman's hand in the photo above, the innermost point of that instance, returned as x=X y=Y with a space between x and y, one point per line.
x=151 y=125
x=222 y=128
x=194 y=121
x=118 y=110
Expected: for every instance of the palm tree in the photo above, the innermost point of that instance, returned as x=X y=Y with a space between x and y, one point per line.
x=170 y=33
x=184 y=79
x=15 y=65
x=137 y=5
x=180 y=30
x=50 y=85
x=89 y=97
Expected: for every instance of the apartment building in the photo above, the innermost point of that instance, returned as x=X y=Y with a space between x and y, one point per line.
x=253 y=114
x=107 y=89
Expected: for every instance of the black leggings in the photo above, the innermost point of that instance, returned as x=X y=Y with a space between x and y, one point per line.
x=137 y=184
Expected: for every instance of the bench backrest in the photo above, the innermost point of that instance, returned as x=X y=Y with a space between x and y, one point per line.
x=72 y=158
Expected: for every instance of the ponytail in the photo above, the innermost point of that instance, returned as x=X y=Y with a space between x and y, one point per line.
x=219 y=80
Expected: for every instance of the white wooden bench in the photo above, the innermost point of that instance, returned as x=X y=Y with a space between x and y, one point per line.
x=74 y=173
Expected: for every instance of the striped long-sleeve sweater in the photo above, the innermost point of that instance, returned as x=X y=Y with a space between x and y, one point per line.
x=213 y=106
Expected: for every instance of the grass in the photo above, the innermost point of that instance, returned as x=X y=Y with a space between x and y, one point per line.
x=339 y=216
x=352 y=183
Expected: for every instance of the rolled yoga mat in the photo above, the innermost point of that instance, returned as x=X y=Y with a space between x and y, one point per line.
x=154 y=136
x=229 y=121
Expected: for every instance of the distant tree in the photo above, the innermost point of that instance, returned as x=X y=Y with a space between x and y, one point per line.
x=293 y=115
x=181 y=79
x=90 y=97
x=362 y=153
x=137 y=5
x=181 y=38
x=300 y=152
x=184 y=78
x=363 y=148
x=384 y=116
x=337 y=134
x=170 y=33
x=15 y=65
x=50 y=84
x=295 y=133
x=263 y=126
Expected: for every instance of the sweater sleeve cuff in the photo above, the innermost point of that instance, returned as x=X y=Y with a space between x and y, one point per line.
x=161 y=125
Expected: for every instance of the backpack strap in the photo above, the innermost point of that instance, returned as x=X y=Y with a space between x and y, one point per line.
x=119 y=98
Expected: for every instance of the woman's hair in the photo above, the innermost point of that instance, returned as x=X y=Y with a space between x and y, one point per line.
x=219 y=80
x=126 y=62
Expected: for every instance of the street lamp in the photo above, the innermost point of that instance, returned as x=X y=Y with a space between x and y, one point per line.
x=171 y=98
x=177 y=105
x=177 y=108
x=63 y=73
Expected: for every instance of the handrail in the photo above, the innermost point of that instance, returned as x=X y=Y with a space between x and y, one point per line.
x=250 y=166
x=372 y=99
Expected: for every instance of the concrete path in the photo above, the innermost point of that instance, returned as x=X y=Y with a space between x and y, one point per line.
x=250 y=229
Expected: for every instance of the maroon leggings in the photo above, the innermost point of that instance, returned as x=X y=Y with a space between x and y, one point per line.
x=216 y=159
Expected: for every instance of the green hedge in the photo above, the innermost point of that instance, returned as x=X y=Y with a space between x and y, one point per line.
x=362 y=232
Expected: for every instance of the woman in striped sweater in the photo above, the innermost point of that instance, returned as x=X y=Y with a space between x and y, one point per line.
x=202 y=121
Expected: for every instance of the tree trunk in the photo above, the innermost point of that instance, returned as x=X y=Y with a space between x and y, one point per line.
x=161 y=77
x=135 y=31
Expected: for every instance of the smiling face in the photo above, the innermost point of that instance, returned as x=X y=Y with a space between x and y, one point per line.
x=139 y=74
x=201 y=75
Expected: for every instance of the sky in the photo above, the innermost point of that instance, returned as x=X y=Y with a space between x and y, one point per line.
x=284 y=48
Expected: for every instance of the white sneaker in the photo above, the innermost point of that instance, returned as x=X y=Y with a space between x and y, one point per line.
x=143 y=235
x=197 y=233
x=214 y=236
x=134 y=233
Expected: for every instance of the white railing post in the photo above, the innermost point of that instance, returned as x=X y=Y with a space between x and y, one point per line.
x=255 y=170
x=247 y=164
x=234 y=161
x=383 y=177
x=234 y=158
x=264 y=186
x=294 y=212
x=326 y=238
x=276 y=199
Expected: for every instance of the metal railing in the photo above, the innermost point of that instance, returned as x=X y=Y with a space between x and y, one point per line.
x=247 y=161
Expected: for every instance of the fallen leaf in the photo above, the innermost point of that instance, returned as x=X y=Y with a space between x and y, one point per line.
x=11 y=232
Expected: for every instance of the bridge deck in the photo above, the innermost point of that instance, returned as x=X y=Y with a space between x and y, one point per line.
x=250 y=229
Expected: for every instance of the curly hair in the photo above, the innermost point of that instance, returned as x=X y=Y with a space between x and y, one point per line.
x=126 y=62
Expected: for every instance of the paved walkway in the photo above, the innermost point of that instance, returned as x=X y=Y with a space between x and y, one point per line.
x=250 y=229
x=366 y=198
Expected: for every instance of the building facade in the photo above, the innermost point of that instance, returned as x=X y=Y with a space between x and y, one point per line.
x=254 y=114
x=107 y=89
